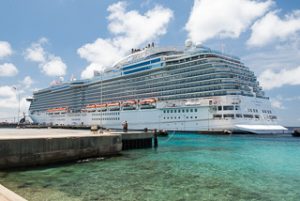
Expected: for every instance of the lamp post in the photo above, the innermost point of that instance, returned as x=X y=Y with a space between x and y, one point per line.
x=18 y=94
x=101 y=110
x=18 y=107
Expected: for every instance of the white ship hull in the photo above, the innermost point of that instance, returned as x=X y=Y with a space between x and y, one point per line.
x=238 y=114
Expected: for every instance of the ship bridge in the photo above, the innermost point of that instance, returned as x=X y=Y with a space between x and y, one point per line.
x=145 y=54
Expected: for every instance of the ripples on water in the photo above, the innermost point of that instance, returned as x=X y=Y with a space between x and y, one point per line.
x=184 y=167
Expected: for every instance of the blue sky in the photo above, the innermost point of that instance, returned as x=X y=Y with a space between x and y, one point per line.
x=41 y=40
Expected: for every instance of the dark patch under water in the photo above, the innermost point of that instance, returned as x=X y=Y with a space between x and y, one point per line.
x=183 y=167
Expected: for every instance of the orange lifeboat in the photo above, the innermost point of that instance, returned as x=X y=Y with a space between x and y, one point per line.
x=101 y=105
x=91 y=106
x=148 y=101
x=57 y=109
x=113 y=104
x=129 y=105
x=129 y=102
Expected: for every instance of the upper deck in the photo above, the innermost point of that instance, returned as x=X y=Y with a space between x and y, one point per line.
x=139 y=61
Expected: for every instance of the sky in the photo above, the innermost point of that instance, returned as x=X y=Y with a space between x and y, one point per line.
x=43 y=41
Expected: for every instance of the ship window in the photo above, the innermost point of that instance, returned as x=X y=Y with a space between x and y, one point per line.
x=171 y=111
x=195 y=117
x=171 y=117
x=174 y=111
x=178 y=117
x=167 y=117
x=217 y=116
x=237 y=107
x=182 y=111
x=167 y=111
x=195 y=110
x=257 y=116
x=164 y=111
x=220 y=108
x=248 y=116
x=191 y=110
x=228 y=115
x=228 y=107
x=239 y=115
x=191 y=117
x=187 y=110
x=178 y=111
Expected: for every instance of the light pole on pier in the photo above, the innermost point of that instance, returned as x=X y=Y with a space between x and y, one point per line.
x=101 y=101
x=18 y=94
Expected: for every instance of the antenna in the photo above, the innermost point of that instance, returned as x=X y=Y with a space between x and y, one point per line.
x=222 y=47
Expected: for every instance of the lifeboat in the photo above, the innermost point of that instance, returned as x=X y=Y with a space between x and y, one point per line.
x=113 y=106
x=129 y=102
x=59 y=109
x=148 y=103
x=129 y=105
x=91 y=106
x=100 y=105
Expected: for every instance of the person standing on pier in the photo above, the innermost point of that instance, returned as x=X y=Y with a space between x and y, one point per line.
x=125 y=126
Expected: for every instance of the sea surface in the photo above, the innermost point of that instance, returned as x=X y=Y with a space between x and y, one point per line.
x=183 y=167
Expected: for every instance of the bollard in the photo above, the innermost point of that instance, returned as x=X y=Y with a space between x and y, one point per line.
x=155 y=139
x=94 y=129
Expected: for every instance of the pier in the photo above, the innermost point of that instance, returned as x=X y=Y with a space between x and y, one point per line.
x=34 y=147
x=8 y=195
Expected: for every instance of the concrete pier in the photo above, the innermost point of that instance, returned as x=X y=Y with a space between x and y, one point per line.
x=31 y=147
x=136 y=139
x=8 y=195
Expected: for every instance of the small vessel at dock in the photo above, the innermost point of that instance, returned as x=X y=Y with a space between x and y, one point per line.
x=296 y=132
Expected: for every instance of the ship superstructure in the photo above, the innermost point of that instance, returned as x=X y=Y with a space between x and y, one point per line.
x=191 y=89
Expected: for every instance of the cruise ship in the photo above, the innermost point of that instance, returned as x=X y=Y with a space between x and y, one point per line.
x=193 y=89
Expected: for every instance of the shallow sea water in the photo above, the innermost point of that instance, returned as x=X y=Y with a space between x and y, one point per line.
x=183 y=167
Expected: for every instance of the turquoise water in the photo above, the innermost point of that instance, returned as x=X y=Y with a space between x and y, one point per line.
x=183 y=167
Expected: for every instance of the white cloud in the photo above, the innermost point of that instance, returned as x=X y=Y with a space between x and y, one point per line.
x=223 y=18
x=100 y=53
x=49 y=64
x=130 y=29
x=88 y=72
x=27 y=82
x=270 y=79
x=36 y=52
x=54 y=67
x=277 y=104
x=271 y=28
x=9 y=103
x=5 y=49
x=7 y=92
x=8 y=70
